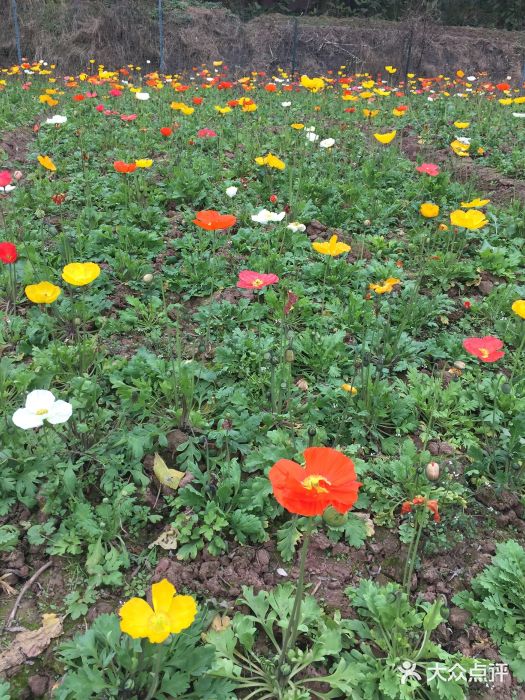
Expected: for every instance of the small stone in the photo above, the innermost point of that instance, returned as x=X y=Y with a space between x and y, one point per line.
x=38 y=685
x=281 y=572
x=458 y=618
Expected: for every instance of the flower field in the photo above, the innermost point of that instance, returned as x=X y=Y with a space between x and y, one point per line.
x=262 y=382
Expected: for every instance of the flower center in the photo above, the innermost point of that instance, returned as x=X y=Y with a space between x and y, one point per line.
x=316 y=483
x=42 y=411
x=159 y=623
x=484 y=353
x=257 y=282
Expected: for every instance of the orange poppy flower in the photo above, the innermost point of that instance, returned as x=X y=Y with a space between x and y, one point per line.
x=328 y=479
x=122 y=167
x=212 y=220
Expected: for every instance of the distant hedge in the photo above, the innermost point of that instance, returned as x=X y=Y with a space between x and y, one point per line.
x=501 y=14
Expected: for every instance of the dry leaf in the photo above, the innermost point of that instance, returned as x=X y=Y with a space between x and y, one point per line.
x=28 y=645
x=220 y=623
x=368 y=522
x=167 y=539
x=167 y=477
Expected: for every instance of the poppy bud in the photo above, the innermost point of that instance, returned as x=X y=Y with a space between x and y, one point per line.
x=312 y=431
x=332 y=517
x=289 y=355
x=273 y=198
x=432 y=471
x=77 y=321
x=302 y=384
x=366 y=222
x=505 y=388
x=18 y=175
x=148 y=278
x=467 y=304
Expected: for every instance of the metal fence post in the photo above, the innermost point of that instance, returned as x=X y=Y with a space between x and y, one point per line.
x=161 y=36
x=294 y=45
x=17 y=30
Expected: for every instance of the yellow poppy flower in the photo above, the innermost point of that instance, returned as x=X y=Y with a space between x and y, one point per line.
x=369 y=113
x=249 y=107
x=366 y=95
x=223 y=110
x=42 y=293
x=46 y=99
x=461 y=125
x=386 y=138
x=349 y=388
x=47 y=163
x=385 y=287
x=217 y=63
x=271 y=161
x=472 y=219
x=312 y=84
x=368 y=84
x=459 y=148
x=80 y=274
x=429 y=210
x=144 y=163
x=390 y=69
x=333 y=247
x=519 y=307
x=297 y=126
x=397 y=113
x=475 y=203
x=506 y=101
x=170 y=614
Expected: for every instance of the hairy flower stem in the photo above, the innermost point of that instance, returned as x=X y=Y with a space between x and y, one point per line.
x=155 y=680
x=291 y=633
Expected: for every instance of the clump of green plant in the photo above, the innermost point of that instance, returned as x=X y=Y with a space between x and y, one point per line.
x=497 y=603
x=104 y=663
x=395 y=656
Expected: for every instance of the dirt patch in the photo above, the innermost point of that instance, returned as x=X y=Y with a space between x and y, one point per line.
x=499 y=188
x=15 y=144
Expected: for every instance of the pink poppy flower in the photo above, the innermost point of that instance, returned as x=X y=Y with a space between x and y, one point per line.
x=26 y=86
x=115 y=93
x=100 y=108
x=428 y=169
x=91 y=94
x=206 y=134
x=248 y=279
x=486 y=349
x=128 y=117
x=5 y=178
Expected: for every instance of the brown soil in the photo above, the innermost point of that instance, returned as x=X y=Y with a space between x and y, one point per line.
x=122 y=31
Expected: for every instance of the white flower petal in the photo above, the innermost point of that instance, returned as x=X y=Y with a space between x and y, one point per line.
x=39 y=399
x=231 y=191
x=26 y=420
x=60 y=412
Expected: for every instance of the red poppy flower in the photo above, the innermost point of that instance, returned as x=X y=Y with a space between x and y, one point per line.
x=467 y=304
x=351 y=110
x=166 y=131
x=486 y=349
x=5 y=178
x=206 y=133
x=328 y=479
x=433 y=507
x=114 y=92
x=225 y=85
x=273 y=198
x=248 y=279
x=406 y=507
x=197 y=100
x=270 y=87
x=428 y=169
x=100 y=108
x=8 y=254
x=233 y=103
x=503 y=86
x=59 y=198
x=402 y=108
x=122 y=167
x=212 y=220
x=78 y=98
x=181 y=88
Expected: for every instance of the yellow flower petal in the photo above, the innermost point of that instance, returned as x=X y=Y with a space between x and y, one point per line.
x=519 y=307
x=182 y=613
x=80 y=274
x=385 y=138
x=162 y=594
x=135 y=615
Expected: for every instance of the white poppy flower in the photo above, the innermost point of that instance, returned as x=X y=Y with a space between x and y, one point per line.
x=7 y=189
x=232 y=191
x=471 y=78
x=41 y=405
x=266 y=217
x=296 y=227
x=142 y=95
x=519 y=114
x=327 y=143
x=57 y=119
x=285 y=104
x=463 y=139
x=311 y=136
x=309 y=128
